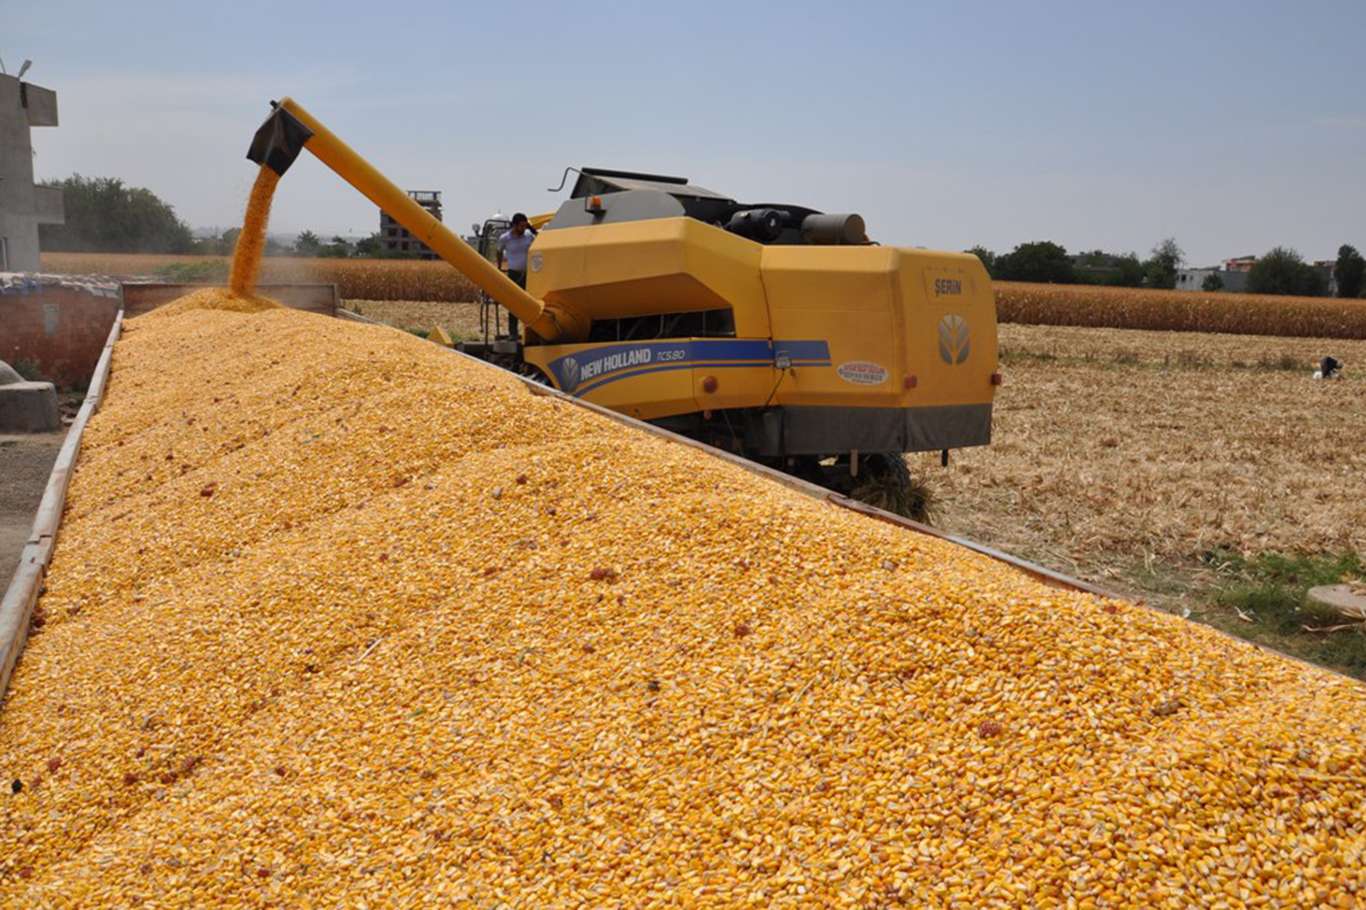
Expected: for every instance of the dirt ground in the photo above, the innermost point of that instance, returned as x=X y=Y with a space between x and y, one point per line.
x=25 y=462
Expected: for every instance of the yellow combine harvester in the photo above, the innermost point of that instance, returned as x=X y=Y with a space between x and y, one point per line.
x=770 y=330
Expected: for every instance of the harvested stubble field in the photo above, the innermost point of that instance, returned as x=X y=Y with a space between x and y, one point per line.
x=461 y=320
x=365 y=279
x=336 y=617
x=1116 y=450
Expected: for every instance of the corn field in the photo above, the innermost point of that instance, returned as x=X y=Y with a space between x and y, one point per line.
x=1019 y=302
x=1183 y=311
x=364 y=279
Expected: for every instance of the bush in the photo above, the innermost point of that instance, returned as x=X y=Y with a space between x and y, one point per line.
x=103 y=215
x=1160 y=270
x=29 y=370
x=1041 y=261
x=1350 y=272
x=1283 y=271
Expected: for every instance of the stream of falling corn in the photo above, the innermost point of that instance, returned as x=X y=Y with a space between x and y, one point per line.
x=251 y=242
x=338 y=618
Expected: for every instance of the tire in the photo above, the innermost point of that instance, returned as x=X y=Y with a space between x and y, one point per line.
x=886 y=482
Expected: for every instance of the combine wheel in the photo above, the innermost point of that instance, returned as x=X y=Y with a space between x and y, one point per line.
x=885 y=481
x=808 y=468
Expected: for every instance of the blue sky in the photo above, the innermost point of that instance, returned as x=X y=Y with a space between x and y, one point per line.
x=1231 y=126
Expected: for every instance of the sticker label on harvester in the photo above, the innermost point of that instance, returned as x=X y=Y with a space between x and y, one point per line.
x=862 y=372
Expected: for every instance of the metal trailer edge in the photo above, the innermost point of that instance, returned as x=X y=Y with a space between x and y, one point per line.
x=16 y=609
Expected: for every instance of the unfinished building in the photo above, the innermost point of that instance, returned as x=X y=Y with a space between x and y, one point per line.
x=395 y=238
x=23 y=206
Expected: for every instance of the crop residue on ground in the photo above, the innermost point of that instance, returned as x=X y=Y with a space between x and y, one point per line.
x=1133 y=446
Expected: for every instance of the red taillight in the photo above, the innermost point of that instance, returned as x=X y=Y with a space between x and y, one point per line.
x=997 y=379
x=909 y=382
x=709 y=384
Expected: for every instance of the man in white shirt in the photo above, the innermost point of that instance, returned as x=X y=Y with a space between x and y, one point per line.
x=512 y=247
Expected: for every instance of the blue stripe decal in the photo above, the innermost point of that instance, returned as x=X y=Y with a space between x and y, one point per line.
x=631 y=374
x=585 y=389
x=585 y=370
x=803 y=350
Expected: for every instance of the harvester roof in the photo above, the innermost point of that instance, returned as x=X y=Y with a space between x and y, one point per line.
x=594 y=180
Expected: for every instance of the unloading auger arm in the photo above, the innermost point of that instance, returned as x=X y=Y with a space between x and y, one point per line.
x=290 y=129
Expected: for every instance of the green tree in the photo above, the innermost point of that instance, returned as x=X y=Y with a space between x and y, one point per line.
x=1111 y=269
x=1038 y=261
x=105 y=216
x=987 y=256
x=1092 y=268
x=1130 y=271
x=1161 y=268
x=370 y=247
x=1284 y=271
x=339 y=248
x=1349 y=271
x=1212 y=282
x=307 y=244
x=226 y=242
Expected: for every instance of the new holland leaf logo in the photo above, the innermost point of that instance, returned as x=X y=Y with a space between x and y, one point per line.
x=954 y=345
x=570 y=369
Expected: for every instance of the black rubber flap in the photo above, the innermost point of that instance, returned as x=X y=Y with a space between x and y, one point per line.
x=279 y=140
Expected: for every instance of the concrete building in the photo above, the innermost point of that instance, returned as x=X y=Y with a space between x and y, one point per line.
x=1236 y=271
x=23 y=206
x=1234 y=280
x=394 y=237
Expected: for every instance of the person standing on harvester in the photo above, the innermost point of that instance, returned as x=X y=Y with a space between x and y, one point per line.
x=512 y=247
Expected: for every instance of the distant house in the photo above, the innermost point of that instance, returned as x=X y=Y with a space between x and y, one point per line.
x=1233 y=280
x=1240 y=264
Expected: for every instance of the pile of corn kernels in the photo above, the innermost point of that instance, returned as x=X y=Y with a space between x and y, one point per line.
x=338 y=618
